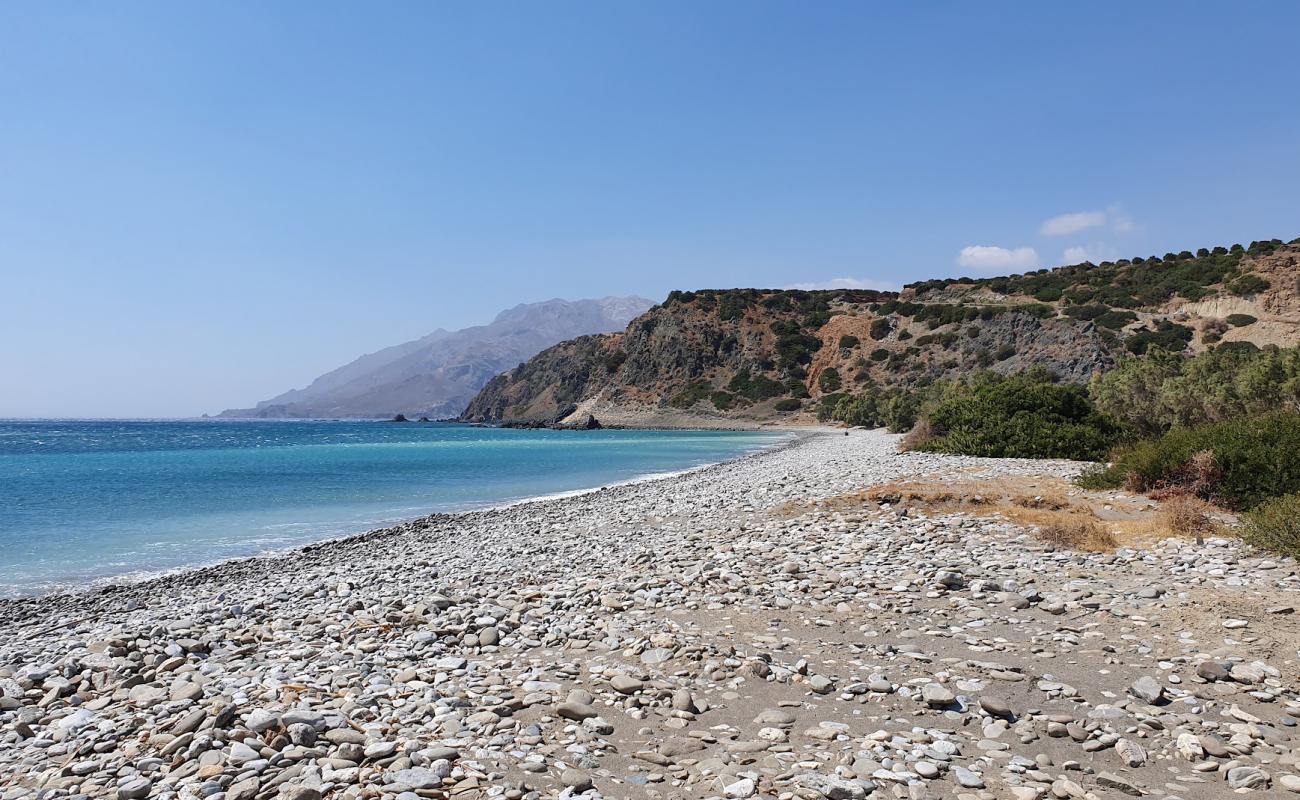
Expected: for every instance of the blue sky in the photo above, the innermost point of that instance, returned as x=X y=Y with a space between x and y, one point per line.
x=204 y=204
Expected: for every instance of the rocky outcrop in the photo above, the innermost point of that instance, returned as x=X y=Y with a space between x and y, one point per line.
x=746 y=356
x=694 y=362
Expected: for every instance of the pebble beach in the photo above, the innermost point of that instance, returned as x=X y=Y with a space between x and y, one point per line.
x=722 y=633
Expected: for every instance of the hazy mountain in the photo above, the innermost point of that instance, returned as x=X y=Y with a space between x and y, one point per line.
x=437 y=375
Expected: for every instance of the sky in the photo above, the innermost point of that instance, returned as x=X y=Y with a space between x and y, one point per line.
x=205 y=204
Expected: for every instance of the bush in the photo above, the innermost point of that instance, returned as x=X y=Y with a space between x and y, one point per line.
x=1248 y=284
x=1114 y=320
x=615 y=360
x=1151 y=395
x=1241 y=320
x=848 y=342
x=829 y=380
x=1188 y=516
x=755 y=387
x=1022 y=416
x=1078 y=535
x=1212 y=330
x=879 y=354
x=691 y=395
x=826 y=408
x=1167 y=336
x=880 y=328
x=1275 y=525
x=723 y=400
x=1237 y=464
x=788 y=404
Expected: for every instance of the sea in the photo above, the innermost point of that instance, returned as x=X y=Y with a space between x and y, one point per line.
x=92 y=501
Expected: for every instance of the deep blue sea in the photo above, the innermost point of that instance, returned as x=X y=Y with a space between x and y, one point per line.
x=82 y=501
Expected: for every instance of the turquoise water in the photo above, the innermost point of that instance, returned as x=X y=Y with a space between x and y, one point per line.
x=82 y=501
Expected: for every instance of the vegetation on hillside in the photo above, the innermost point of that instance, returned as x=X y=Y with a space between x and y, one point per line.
x=1149 y=396
x=1128 y=283
x=1021 y=416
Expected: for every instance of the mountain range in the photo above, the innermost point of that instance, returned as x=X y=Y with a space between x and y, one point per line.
x=437 y=375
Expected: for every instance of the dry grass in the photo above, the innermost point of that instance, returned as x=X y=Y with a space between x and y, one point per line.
x=1188 y=516
x=1061 y=513
x=920 y=434
x=1079 y=534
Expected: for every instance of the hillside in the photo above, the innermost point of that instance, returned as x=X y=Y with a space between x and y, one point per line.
x=438 y=374
x=741 y=356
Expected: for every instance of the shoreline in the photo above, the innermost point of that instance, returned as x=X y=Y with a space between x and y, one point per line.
x=760 y=628
x=127 y=582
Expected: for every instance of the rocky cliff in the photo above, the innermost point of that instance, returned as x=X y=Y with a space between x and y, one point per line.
x=732 y=357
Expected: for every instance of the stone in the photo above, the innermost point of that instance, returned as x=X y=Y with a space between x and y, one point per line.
x=967 y=778
x=1248 y=778
x=576 y=780
x=626 y=685
x=134 y=789
x=1212 y=671
x=995 y=706
x=832 y=788
x=414 y=778
x=1130 y=752
x=1147 y=689
x=744 y=787
x=575 y=711
x=1109 y=780
x=936 y=695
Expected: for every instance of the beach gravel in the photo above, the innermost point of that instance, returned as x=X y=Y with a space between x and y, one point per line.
x=718 y=634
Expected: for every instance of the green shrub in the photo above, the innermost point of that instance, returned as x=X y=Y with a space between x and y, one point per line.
x=1115 y=320
x=788 y=404
x=899 y=410
x=1248 y=284
x=1238 y=464
x=1275 y=525
x=829 y=380
x=1241 y=320
x=691 y=395
x=859 y=410
x=1151 y=395
x=880 y=328
x=826 y=407
x=723 y=400
x=1240 y=348
x=1022 y=416
x=1004 y=352
x=848 y=342
x=879 y=354
x=615 y=360
x=755 y=387
x=1167 y=335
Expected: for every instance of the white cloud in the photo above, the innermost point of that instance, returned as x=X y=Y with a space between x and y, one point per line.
x=987 y=258
x=1113 y=217
x=848 y=283
x=1119 y=221
x=1066 y=224
x=1096 y=252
